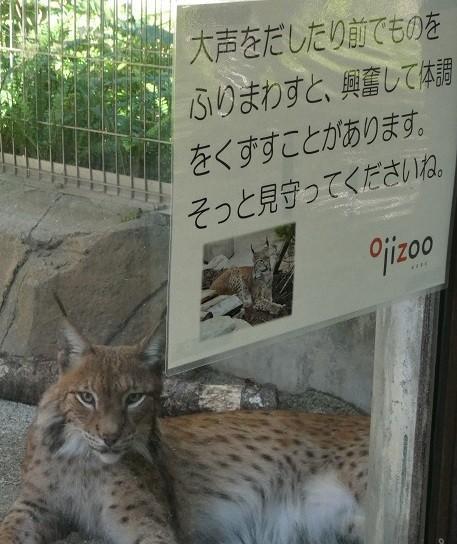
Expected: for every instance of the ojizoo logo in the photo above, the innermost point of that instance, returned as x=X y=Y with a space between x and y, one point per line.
x=395 y=253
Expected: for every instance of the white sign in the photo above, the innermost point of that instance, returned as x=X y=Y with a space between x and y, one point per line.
x=314 y=160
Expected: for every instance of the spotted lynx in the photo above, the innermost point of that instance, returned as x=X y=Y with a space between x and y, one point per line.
x=252 y=284
x=100 y=460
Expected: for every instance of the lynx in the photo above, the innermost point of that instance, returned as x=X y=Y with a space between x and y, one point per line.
x=252 y=284
x=99 y=459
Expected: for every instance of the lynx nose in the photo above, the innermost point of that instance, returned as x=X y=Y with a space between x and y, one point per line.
x=110 y=439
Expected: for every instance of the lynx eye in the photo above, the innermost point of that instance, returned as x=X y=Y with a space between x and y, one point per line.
x=134 y=399
x=86 y=398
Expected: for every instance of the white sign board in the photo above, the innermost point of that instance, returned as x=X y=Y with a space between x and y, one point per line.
x=314 y=160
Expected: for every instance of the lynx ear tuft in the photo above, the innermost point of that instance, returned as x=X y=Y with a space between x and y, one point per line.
x=74 y=348
x=151 y=351
x=75 y=345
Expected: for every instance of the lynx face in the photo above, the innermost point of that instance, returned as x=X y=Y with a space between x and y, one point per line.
x=105 y=400
x=108 y=404
x=261 y=260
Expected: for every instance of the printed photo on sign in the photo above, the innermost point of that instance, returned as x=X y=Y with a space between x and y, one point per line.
x=247 y=280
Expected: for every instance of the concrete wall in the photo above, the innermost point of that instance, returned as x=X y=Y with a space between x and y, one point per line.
x=336 y=359
x=108 y=260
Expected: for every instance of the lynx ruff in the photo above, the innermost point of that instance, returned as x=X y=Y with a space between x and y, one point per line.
x=100 y=460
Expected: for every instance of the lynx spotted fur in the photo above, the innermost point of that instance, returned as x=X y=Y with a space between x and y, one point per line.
x=252 y=284
x=100 y=460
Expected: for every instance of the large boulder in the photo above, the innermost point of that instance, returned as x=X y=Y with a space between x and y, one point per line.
x=106 y=259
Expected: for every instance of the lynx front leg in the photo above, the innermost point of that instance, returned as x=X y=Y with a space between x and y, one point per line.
x=244 y=294
x=30 y=522
x=265 y=305
x=133 y=515
x=139 y=525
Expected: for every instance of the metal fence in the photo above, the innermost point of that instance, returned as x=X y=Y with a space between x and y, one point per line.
x=85 y=93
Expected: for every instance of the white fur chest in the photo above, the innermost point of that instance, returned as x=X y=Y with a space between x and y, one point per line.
x=78 y=492
x=321 y=510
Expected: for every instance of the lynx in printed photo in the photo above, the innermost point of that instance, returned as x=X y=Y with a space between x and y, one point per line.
x=249 y=278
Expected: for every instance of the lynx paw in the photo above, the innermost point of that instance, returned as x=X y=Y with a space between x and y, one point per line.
x=276 y=309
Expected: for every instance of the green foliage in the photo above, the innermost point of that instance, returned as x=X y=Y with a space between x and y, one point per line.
x=83 y=64
x=285 y=232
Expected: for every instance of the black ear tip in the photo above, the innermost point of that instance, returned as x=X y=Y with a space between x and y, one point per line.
x=152 y=351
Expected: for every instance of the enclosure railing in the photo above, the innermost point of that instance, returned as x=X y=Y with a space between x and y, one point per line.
x=85 y=93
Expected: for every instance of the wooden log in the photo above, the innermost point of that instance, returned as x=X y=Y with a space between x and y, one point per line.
x=25 y=380
x=182 y=397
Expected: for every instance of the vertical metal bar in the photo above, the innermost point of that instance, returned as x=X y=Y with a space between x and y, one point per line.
x=115 y=66
x=102 y=27
x=24 y=85
x=130 y=27
x=62 y=89
x=159 y=132
x=144 y=29
x=75 y=94
x=37 y=56
x=11 y=56
x=51 y=160
x=2 y=152
x=156 y=118
x=10 y=15
x=2 y=158
x=89 y=142
x=172 y=12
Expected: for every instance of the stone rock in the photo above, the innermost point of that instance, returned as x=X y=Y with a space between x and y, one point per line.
x=241 y=324
x=224 y=247
x=222 y=305
x=13 y=253
x=220 y=262
x=108 y=266
x=216 y=327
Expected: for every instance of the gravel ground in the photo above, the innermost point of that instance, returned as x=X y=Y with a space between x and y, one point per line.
x=15 y=418
x=14 y=421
